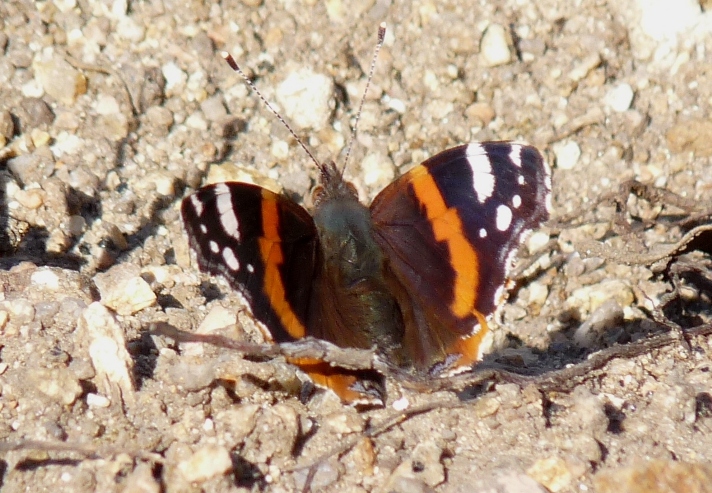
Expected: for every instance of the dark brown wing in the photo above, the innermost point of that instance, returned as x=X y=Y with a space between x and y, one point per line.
x=449 y=229
x=263 y=244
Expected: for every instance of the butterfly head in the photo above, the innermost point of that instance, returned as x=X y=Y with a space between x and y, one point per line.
x=332 y=186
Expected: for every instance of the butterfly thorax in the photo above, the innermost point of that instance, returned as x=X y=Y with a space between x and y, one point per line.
x=352 y=270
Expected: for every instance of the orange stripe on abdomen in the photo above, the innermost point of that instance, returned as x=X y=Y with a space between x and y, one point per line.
x=447 y=227
x=273 y=257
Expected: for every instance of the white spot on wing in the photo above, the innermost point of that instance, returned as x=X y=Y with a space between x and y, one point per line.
x=520 y=180
x=482 y=174
x=483 y=233
x=230 y=259
x=250 y=268
x=228 y=218
x=197 y=204
x=516 y=155
x=214 y=247
x=516 y=201
x=504 y=217
x=203 y=228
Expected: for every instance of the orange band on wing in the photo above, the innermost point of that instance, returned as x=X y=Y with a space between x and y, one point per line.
x=341 y=383
x=470 y=347
x=272 y=256
x=447 y=227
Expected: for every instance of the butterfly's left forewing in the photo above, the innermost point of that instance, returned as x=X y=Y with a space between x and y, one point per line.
x=266 y=246
x=263 y=244
x=449 y=228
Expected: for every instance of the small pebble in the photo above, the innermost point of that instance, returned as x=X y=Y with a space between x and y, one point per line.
x=567 y=154
x=60 y=80
x=482 y=112
x=141 y=480
x=130 y=30
x=537 y=241
x=665 y=19
x=584 y=67
x=494 y=48
x=214 y=109
x=30 y=199
x=35 y=112
x=307 y=98
x=7 y=126
x=197 y=121
x=590 y=298
x=619 y=98
x=553 y=472
x=401 y=404
x=39 y=137
x=344 y=423
x=217 y=318
x=605 y=317
x=175 y=78
x=46 y=278
x=160 y=119
x=207 y=462
x=59 y=384
x=377 y=170
x=106 y=105
x=21 y=311
x=422 y=467
x=97 y=400
x=123 y=290
x=107 y=350
x=691 y=136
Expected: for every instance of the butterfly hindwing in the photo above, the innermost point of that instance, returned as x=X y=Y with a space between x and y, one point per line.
x=263 y=244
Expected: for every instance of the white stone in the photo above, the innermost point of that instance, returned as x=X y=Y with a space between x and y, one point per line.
x=665 y=19
x=59 y=384
x=32 y=89
x=106 y=105
x=46 y=278
x=59 y=79
x=124 y=290
x=280 y=149
x=307 y=98
x=537 y=241
x=97 y=400
x=197 y=121
x=494 y=48
x=66 y=143
x=217 y=318
x=377 y=169
x=175 y=78
x=567 y=154
x=207 y=462
x=65 y=6
x=107 y=350
x=619 y=98
x=130 y=30
x=401 y=404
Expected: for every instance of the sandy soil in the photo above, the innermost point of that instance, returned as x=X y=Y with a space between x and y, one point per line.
x=110 y=112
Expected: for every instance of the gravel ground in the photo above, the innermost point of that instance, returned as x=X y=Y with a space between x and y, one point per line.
x=111 y=111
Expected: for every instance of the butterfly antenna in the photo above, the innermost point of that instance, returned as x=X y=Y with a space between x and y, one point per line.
x=233 y=65
x=381 y=37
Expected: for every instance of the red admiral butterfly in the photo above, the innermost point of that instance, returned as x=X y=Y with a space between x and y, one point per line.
x=414 y=275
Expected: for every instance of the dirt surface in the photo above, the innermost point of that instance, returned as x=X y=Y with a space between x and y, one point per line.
x=110 y=112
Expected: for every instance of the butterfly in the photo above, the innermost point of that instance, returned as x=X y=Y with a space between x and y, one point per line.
x=416 y=274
